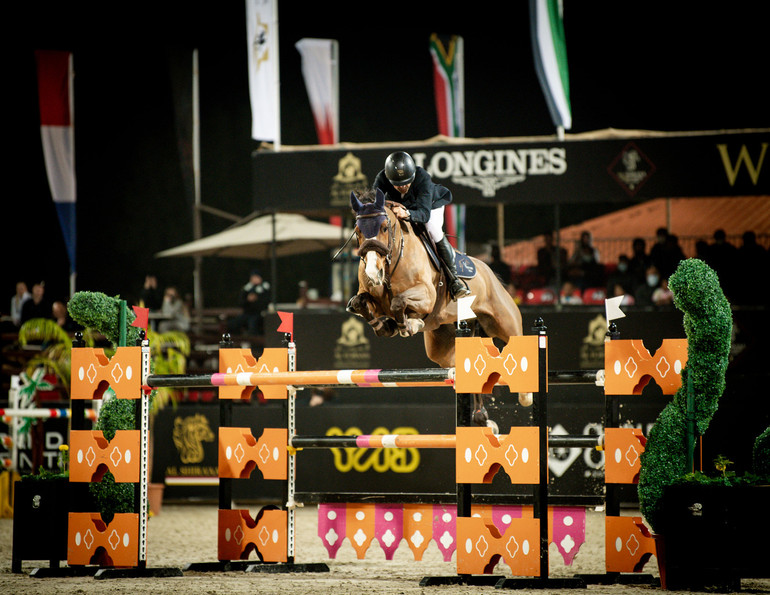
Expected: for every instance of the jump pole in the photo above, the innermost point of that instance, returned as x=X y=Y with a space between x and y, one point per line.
x=437 y=377
x=418 y=377
x=447 y=441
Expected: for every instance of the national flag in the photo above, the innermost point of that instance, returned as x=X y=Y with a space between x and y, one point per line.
x=454 y=225
x=448 y=56
x=264 y=77
x=550 y=50
x=55 y=79
x=320 y=69
x=449 y=83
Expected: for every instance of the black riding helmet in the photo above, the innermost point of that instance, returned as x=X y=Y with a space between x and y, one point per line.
x=400 y=168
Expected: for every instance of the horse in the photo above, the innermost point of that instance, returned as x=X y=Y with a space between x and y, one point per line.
x=403 y=289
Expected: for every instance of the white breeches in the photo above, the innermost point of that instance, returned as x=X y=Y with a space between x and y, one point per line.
x=435 y=224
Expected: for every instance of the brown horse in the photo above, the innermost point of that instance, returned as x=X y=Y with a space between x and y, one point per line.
x=403 y=291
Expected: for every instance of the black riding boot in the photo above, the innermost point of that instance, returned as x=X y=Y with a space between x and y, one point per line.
x=456 y=287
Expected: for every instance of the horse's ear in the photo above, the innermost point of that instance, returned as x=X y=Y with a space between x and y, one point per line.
x=379 y=200
x=354 y=202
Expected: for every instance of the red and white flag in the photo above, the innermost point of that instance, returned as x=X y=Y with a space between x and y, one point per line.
x=320 y=69
x=55 y=79
x=264 y=76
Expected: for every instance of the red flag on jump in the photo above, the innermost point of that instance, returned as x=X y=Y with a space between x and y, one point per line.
x=142 y=317
x=287 y=324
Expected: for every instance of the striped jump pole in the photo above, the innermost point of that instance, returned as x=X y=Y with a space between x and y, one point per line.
x=90 y=414
x=423 y=377
x=418 y=377
x=424 y=441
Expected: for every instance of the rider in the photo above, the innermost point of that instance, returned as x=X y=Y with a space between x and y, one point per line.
x=421 y=200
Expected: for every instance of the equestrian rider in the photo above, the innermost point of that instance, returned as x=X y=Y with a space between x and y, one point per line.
x=421 y=200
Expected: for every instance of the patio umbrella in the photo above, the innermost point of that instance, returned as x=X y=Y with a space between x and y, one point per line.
x=294 y=234
x=268 y=236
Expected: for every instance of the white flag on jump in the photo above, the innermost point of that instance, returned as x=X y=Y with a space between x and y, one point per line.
x=464 y=311
x=264 y=77
x=612 y=308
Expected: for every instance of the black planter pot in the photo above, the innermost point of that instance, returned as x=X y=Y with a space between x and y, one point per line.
x=40 y=516
x=711 y=536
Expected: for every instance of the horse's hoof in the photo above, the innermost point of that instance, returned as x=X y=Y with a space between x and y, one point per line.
x=525 y=399
x=480 y=417
x=494 y=426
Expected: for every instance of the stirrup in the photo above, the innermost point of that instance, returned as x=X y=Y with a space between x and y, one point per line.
x=458 y=289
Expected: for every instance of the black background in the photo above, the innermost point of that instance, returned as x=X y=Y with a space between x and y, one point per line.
x=633 y=65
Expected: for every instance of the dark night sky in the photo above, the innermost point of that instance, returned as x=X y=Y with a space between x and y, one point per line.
x=633 y=65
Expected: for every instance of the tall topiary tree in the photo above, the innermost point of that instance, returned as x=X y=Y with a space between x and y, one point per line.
x=708 y=326
x=102 y=313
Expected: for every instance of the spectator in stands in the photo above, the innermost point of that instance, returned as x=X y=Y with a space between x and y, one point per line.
x=585 y=269
x=17 y=301
x=570 y=294
x=551 y=261
x=643 y=293
x=638 y=263
x=666 y=253
x=673 y=255
x=658 y=249
x=255 y=298
x=151 y=296
x=701 y=250
x=176 y=316
x=621 y=275
x=490 y=254
x=662 y=296
x=62 y=317
x=37 y=306
x=617 y=290
x=722 y=256
x=753 y=260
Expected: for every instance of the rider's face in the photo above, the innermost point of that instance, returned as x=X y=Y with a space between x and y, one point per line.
x=403 y=189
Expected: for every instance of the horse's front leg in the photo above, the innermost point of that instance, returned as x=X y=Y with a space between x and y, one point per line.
x=409 y=308
x=365 y=306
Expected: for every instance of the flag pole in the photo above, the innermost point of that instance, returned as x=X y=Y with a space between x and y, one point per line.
x=277 y=70
x=196 y=159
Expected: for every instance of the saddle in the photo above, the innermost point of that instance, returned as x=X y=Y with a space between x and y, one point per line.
x=465 y=267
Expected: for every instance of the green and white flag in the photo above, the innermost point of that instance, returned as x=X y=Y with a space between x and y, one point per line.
x=550 y=50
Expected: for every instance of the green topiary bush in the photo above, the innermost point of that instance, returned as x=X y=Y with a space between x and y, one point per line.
x=708 y=326
x=102 y=313
x=760 y=456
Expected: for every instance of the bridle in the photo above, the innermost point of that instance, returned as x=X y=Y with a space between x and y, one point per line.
x=381 y=248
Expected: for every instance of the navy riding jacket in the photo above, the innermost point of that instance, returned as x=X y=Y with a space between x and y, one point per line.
x=423 y=195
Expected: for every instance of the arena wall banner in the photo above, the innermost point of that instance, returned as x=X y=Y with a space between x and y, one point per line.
x=606 y=166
